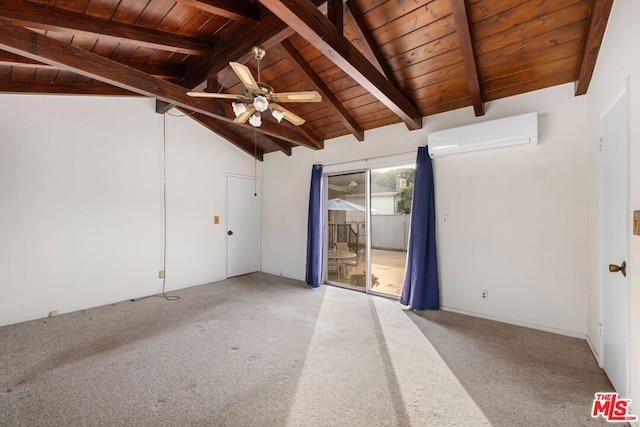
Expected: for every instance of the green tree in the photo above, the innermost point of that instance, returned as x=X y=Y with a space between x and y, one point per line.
x=403 y=205
x=383 y=179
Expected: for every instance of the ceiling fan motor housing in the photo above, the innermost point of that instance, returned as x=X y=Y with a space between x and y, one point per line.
x=258 y=52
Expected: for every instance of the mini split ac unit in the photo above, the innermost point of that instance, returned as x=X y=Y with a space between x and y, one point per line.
x=515 y=130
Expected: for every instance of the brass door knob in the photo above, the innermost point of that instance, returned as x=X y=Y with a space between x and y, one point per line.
x=621 y=268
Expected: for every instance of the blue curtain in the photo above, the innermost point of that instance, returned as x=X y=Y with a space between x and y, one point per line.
x=421 y=289
x=313 y=275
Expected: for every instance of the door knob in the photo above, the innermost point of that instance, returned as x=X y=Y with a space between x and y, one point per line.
x=622 y=268
x=229 y=233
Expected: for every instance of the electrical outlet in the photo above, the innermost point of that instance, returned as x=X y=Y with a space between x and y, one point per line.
x=484 y=294
x=161 y=274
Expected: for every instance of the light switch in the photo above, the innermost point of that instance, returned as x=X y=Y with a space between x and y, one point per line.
x=636 y=223
x=216 y=219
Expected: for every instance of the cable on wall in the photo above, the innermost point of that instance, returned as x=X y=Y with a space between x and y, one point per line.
x=164 y=218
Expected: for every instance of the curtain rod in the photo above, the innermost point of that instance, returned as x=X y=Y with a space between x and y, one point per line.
x=370 y=158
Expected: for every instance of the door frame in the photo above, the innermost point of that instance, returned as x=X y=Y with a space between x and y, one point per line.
x=367 y=169
x=226 y=221
x=325 y=228
x=622 y=91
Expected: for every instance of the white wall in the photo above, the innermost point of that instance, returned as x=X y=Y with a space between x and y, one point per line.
x=517 y=216
x=81 y=191
x=517 y=222
x=197 y=165
x=618 y=61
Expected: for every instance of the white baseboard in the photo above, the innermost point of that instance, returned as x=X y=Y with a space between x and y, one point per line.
x=279 y=273
x=572 y=334
x=100 y=303
x=593 y=349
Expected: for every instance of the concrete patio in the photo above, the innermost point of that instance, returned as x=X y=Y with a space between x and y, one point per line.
x=386 y=266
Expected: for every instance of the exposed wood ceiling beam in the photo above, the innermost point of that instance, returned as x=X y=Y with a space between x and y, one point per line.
x=218 y=128
x=305 y=18
x=268 y=32
x=32 y=15
x=298 y=61
x=600 y=11
x=372 y=45
x=13 y=60
x=311 y=136
x=38 y=47
x=45 y=88
x=160 y=71
x=283 y=146
x=468 y=56
x=231 y=9
x=162 y=106
x=281 y=137
x=236 y=46
x=241 y=142
x=295 y=136
x=335 y=14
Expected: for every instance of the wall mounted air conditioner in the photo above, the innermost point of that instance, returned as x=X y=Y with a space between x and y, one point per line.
x=515 y=130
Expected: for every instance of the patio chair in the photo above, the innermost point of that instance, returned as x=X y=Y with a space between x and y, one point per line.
x=333 y=266
x=354 y=262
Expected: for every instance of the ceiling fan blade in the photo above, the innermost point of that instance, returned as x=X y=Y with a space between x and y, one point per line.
x=245 y=76
x=216 y=95
x=311 y=96
x=245 y=116
x=288 y=115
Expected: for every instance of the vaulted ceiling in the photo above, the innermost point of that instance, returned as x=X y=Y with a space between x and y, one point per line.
x=375 y=62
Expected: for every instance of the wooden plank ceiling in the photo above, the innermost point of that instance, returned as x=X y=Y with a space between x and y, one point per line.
x=375 y=62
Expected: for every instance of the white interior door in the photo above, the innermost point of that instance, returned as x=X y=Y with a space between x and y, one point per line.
x=614 y=228
x=243 y=225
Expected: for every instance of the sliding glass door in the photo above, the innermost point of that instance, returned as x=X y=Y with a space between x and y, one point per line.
x=367 y=228
x=391 y=195
x=347 y=229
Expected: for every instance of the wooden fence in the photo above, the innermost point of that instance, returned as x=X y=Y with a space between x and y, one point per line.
x=390 y=232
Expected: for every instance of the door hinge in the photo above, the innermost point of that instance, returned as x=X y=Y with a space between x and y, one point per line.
x=600 y=144
x=600 y=329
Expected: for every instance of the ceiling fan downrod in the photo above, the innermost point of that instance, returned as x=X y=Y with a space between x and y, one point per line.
x=258 y=53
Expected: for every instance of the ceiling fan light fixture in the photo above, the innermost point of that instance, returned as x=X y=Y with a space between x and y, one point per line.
x=277 y=114
x=238 y=108
x=259 y=97
x=255 y=120
x=261 y=103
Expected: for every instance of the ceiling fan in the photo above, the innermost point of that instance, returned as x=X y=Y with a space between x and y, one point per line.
x=259 y=97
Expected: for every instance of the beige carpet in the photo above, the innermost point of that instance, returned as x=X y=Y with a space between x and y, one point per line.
x=369 y=365
x=260 y=350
